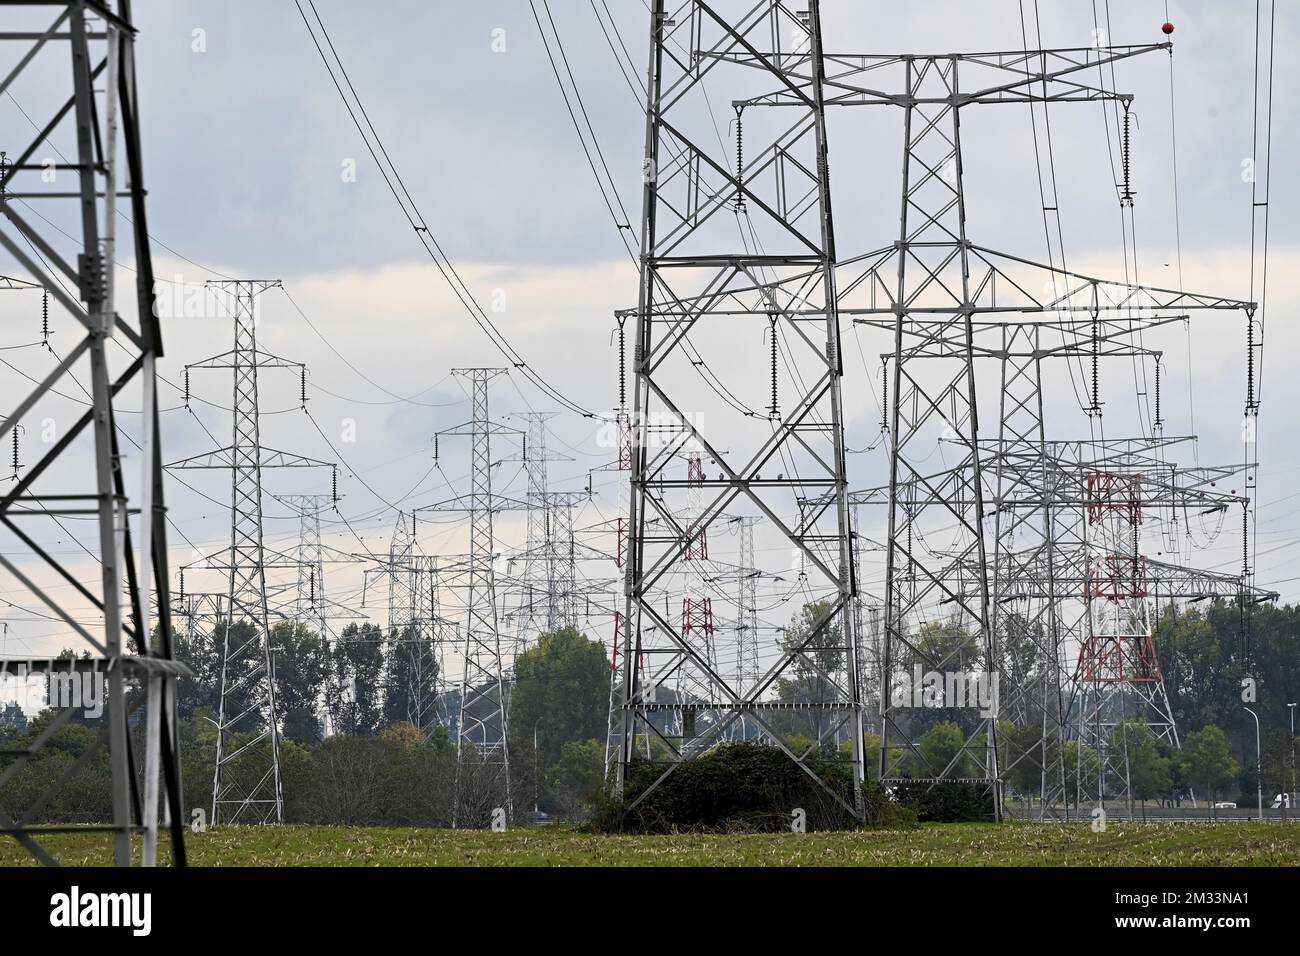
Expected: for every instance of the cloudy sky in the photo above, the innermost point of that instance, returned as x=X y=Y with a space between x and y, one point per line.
x=249 y=160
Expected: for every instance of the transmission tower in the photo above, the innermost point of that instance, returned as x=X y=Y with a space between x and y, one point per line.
x=697 y=623
x=1115 y=588
x=538 y=562
x=942 y=292
x=746 y=624
x=481 y=721
x=401 y=591
x=564 y=550
x=415 y=628
x=310 y=604
x=428 y=710
x=85 y=60
x=246 y=785
x=770 y=274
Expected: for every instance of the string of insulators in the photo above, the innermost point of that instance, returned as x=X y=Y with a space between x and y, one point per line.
x=1252 y=406
x=16 y=464
x=911 y=568
x=312 y=592
x=435 y=447
x=622 y=363
x=884 y=396
x=45 y=317
x=302 y=396
x=740 y=161
x=1096 y=354
x=1245 y=541
x=1126 y=197
x=182 y=584
x=774 y=410
x=334 y=483
x=187 y=387
x=1158 y=421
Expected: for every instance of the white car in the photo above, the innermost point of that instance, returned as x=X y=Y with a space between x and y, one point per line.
x=1282 y=800
x=1225 y=806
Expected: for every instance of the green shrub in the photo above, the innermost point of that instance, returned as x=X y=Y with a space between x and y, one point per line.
x=741 y=787
x=946 y=802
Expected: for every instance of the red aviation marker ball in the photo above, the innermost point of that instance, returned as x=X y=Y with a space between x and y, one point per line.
x=1168 y=28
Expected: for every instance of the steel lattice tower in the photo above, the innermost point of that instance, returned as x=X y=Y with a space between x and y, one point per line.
x=942 y=292
x=246 y=784
x=563 y=551
x=746 y=624
x=90 y=47
x=536 y=567
x=700 y=274
x=401 y=593
x=945 y=568
x=414 y=626
x=481 y=721
x=538 y=561
x=427 y=706
x=697 y=621
x=312 y=606
x=310 y=602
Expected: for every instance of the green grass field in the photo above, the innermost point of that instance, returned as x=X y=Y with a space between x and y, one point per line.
x=1012 y=844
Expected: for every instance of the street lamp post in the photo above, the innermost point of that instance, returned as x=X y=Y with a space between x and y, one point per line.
x=1259 y=764
x=1291 y=707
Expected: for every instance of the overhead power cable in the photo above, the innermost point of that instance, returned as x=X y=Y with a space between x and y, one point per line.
x=412 y=399
x=397 y=186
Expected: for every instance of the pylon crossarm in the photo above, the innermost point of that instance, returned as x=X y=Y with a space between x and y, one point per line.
x=1127 y=295
x=245 y=358
x=1055 y=67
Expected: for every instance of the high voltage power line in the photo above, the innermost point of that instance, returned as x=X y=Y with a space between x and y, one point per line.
x=392 y=178
x=982 y=536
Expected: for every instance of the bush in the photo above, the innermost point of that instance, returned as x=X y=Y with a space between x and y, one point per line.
x=577 y=777
x=741 y=787
x=395 y=779
x=947 y=802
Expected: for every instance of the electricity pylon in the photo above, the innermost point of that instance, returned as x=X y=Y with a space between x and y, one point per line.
x=246 y=785
x=401 y=593
x=481 y=721
x=312 y=606
x=1093 y=673
x=427 y=697
x=310 y=602
x=697 y=622
x=539 y=570
x=85 y=60
x=414 y=627
x=710 y=288
x=1109 y=590
x=746 y=623
x=941 y=294
x=564 y=551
